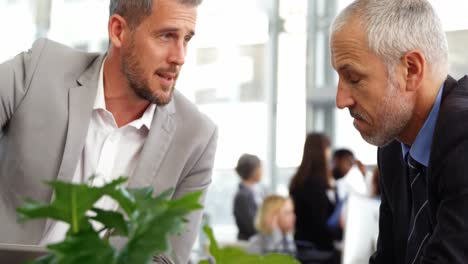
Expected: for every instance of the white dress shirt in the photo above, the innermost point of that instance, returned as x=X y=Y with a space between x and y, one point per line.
x=109 y=152
x=352 y=182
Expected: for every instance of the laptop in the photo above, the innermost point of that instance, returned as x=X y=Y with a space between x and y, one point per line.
x=17 y=254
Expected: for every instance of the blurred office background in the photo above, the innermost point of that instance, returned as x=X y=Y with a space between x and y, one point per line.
x=259 y=68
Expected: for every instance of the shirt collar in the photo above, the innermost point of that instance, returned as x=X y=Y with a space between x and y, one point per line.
x=146 y=119
x=100 y=103
x=421 y=148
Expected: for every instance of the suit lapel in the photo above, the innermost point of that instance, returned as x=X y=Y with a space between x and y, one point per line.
x=395 y=185
x=80 y=106
x=155 y=148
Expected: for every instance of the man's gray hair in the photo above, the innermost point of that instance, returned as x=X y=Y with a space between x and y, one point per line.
x=394 y=27
x=134 y=11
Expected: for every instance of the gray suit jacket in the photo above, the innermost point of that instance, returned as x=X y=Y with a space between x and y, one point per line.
x=46 y=100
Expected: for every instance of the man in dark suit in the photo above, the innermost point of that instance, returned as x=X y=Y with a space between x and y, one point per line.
x=392 y=61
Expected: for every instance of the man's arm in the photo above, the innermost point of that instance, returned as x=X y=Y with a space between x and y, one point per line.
x=385 y=250
x=15 y=78
x=198 y=179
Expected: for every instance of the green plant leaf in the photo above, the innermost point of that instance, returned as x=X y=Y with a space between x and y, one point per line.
x=83 y=247
x=148 y=223
x=144 y=197
x=278 y=259
x=145 y=193
x=232 y=255
x=125 y=199
x=111 y=220
x=71 y=202
x=214 y=248
x=160 y=219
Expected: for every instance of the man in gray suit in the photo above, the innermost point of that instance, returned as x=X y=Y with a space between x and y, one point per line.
x=66 y=114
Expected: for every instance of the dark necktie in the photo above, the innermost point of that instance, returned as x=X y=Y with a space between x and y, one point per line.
x=420 y=225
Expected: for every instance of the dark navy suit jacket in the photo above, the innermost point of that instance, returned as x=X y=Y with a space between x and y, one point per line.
x=447 y=175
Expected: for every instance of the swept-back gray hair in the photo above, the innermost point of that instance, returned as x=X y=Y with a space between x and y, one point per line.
x=394 y=27
x=134 y=11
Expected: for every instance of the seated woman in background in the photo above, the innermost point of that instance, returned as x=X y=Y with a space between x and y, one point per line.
x=314 y=196
x=275 y=225
x=248 y=197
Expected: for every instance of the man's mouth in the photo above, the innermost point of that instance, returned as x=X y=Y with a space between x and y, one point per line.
x=166 y=79
x=358 y=116
x=169 y=76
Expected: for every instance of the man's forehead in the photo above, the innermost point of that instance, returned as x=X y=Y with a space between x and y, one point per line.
x=352 y=31
x=346 y=48
x=179 y=19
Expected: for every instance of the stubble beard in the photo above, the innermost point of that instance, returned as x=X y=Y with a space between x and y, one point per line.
x=394 y=115
x=134 y=73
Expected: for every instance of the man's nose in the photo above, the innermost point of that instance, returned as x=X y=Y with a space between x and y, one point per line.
x=344 y=98
x=177 y=54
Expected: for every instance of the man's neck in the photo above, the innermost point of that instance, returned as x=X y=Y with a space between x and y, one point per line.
x=120 y=99
x=249 y=183
x=424 y=102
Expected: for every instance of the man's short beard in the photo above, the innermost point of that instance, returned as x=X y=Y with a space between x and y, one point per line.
x=395 y=114
x=134 y=74
x=145 y=93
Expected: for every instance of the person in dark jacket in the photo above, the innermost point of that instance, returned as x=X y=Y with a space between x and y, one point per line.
x=248 y=197
x=314 y=197
x=392 y=61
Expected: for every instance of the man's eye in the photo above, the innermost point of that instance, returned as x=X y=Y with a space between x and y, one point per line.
x=353 y=78
x=187 y=38
x=167 y=35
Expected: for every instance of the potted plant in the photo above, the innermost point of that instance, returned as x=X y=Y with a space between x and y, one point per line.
x=146 y=221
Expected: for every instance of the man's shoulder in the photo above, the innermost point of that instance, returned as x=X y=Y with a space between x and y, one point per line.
x=59 y=57
x=456 y=100
x=245 y=198
x=188 y=113
x=52 y=47
x=451 y=123
x=247 y=194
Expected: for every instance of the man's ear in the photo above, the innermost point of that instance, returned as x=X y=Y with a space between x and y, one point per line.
x=118 y=28
x=414 y=63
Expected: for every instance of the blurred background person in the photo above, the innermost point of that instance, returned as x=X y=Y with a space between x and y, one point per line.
x=313 y=193
x=362 y=224
x=249 y=195
x=275 y=224
x=350 y=178
x=341 y=163
x=375 y=183
x=349 y=174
